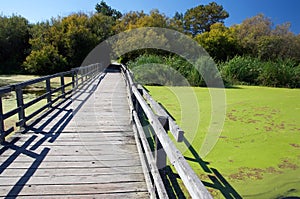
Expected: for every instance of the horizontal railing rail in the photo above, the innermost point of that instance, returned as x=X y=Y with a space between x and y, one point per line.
x=161 y=122
x=50 y=94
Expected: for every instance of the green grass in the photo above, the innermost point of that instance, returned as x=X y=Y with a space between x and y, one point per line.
x=258 y=151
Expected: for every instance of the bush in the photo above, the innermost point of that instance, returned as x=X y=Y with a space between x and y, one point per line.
x=174 y=70
x=156 y=70
x=241 y=70
x=253 y=71
x=45 y=61
x=283 y=73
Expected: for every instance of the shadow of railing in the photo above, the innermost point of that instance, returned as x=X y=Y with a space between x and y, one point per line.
x=171 y=182
x=218 y=181
x=37 y=128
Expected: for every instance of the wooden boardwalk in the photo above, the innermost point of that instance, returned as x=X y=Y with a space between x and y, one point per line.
x=83 y=148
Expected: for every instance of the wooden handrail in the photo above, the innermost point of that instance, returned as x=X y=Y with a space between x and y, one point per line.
x=158 y=118
x=190 y=179
x=82 y=74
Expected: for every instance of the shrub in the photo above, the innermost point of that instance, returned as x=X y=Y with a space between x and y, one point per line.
x=45 y=61
x=282 y=73
x=241 y=70
x=174 y=70
x=253 y=71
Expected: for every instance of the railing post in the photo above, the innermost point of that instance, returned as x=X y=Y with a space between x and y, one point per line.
x=82 y=75
x=137 y=105
x=48 y=90
x=75 y=78
x=20 y=104
x=62 y=84
x=160 y=154
x=2 y=131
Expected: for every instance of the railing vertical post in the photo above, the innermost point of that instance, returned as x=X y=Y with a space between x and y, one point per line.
x=48 y=90
x=20 y=104
x=160 y=154
x=82 y=75
x=94 y=70
x=137 y=105
x=73 y=79
x=2 y=131
x=62 y=84
x=76 y=78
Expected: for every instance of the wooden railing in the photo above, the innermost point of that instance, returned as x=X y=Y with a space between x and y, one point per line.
x=52 y=95
x=145 y=108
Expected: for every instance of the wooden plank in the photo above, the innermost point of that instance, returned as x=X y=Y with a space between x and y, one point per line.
x=46 y=172
x=83 y=152
x=93 y=150
x=79 y=158
x=83 y=142
x=65 y=180
x=126 y=195
x=80 y=188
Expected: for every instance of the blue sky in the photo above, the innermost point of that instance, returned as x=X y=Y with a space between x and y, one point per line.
x=39 y=10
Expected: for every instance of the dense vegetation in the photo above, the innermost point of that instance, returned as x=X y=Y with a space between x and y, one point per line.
x=253 y=52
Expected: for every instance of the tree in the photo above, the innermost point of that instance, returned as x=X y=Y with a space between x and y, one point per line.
x=199 y=19
x=282 y=43
x=106 y=10
x=72 y=38
x=177 y=22
x=101 y=26
x=220 y=42
x=251 y=30
x=14 y=42
x=259 y=39
x=134 y=20
x=77 y=39
x=155 y=19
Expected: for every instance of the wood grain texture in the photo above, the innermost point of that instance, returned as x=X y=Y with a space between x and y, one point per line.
x=83 y=148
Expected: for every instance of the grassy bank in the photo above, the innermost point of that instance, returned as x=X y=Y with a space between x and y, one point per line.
x=258 y=152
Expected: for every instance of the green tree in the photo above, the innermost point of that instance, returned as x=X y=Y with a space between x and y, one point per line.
x=154 y=19
x=134 y=20
x=101 y=26
x=72 y=37
x=177 y=22
x=199 y=19
x=14 y=42
x=220 y=42
x=106 y=10
x=40 y=35
x=77 y=38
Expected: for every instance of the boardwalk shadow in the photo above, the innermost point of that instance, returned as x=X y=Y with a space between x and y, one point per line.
x=218 y=182
x=34 y=136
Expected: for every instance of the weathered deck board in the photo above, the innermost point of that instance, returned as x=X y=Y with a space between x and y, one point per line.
x=84 y=148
